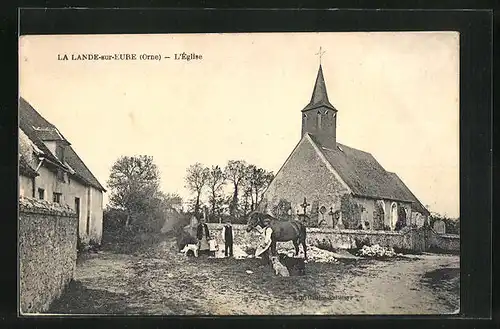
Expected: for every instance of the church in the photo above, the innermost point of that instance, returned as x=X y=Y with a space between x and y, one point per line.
x=329 y=184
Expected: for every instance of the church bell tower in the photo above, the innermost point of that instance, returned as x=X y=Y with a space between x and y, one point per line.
x=319 y=117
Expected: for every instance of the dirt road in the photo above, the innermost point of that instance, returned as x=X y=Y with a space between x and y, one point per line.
x=162 y=282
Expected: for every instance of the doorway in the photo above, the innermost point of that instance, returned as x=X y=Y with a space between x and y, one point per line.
x=77 y=210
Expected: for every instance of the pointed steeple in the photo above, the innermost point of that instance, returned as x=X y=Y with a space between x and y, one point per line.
x=319 y=97
x=319 y=117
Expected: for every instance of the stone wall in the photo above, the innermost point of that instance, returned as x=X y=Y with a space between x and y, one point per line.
x=407 y=239
x=443 y=242
x=240 y=235
x=47 y=252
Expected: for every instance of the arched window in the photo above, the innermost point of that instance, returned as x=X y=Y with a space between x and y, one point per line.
x=319 y=119
x=394 y=215
x=379 y=217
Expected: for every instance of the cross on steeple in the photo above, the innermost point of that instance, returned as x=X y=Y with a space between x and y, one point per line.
x=320 y=54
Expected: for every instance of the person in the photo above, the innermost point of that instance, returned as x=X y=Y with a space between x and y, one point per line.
x=227 y=237
x=203 y=235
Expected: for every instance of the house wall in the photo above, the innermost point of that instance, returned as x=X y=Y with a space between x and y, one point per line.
x=305 y=174
x=90 y=202
x=47 y=252
x=96 y=212
x=25 y=186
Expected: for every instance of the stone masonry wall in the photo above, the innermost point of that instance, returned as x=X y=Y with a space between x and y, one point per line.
x=47 y=252
x=409 y=239
x=305 y=175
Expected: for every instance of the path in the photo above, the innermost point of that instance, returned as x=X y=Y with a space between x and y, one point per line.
x=165 y=283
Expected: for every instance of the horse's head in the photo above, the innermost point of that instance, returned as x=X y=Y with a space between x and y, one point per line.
x=253 y=220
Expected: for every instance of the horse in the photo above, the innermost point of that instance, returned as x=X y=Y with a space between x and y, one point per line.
x=282 y=231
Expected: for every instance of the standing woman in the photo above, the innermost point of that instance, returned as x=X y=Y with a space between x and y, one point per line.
x=203 y=235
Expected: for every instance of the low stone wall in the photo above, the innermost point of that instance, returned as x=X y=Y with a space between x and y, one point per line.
x=410 y=239
x=443 y=242
x=240 y=235
x=47 y=252
x=352 y=239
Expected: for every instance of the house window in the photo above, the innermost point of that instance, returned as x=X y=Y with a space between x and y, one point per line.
x=57 y=197
x=41 y=193
x=60 y=152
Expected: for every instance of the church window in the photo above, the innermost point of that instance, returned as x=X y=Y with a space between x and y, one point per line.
x=319 y=120
x=394 y=215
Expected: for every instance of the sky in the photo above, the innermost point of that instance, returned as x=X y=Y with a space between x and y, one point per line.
x=397 y=96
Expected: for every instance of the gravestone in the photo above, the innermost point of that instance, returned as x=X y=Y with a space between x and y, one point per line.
x=439 y=226
x=322 y=220
x=418 y=219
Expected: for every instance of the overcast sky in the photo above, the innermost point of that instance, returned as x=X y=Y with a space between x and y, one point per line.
x=397 y=96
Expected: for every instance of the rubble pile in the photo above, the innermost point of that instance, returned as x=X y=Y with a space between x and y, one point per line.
x=377 y=251
x=314 y=254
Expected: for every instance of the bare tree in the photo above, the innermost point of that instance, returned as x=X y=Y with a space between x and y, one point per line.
x=235 y=171
x=196 y=179
x=216 y=180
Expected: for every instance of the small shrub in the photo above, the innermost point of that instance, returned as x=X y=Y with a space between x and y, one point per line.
x=361 y=242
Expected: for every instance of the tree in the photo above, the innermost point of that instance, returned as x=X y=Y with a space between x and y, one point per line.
x=235 y=172
x=247 y=198
x=196 y=179
x=173 y=200
x=258 y=180
x=215 y=181
x=134 y=183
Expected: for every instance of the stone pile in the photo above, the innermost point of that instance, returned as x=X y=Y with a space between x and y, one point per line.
x=377 y=251
x=314 y=254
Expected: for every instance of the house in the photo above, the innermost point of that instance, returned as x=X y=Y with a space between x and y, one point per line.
x=50 y=169
x=335 y=185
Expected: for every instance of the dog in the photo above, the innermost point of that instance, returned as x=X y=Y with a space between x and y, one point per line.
x=279 y=268
x=190 y=249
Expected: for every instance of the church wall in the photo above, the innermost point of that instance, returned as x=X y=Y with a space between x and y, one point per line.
x=305 y=174
x=368 y=205
x=368 y=208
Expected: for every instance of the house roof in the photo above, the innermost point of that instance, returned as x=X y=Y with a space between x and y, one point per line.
x=49 y=134
x=319 y=96
x=29 y=118
x=365 y=176
x=37 y=128
x=25 y=169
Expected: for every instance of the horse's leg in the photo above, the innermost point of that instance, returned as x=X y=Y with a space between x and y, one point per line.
x=303 y=240
x=273 y=248
x=296 y=245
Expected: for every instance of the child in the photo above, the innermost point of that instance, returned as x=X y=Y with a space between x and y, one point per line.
x=227 y=237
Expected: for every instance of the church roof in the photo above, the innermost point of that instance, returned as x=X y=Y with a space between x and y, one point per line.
x=365 y=176
x=319 y=96
x=37 y=128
